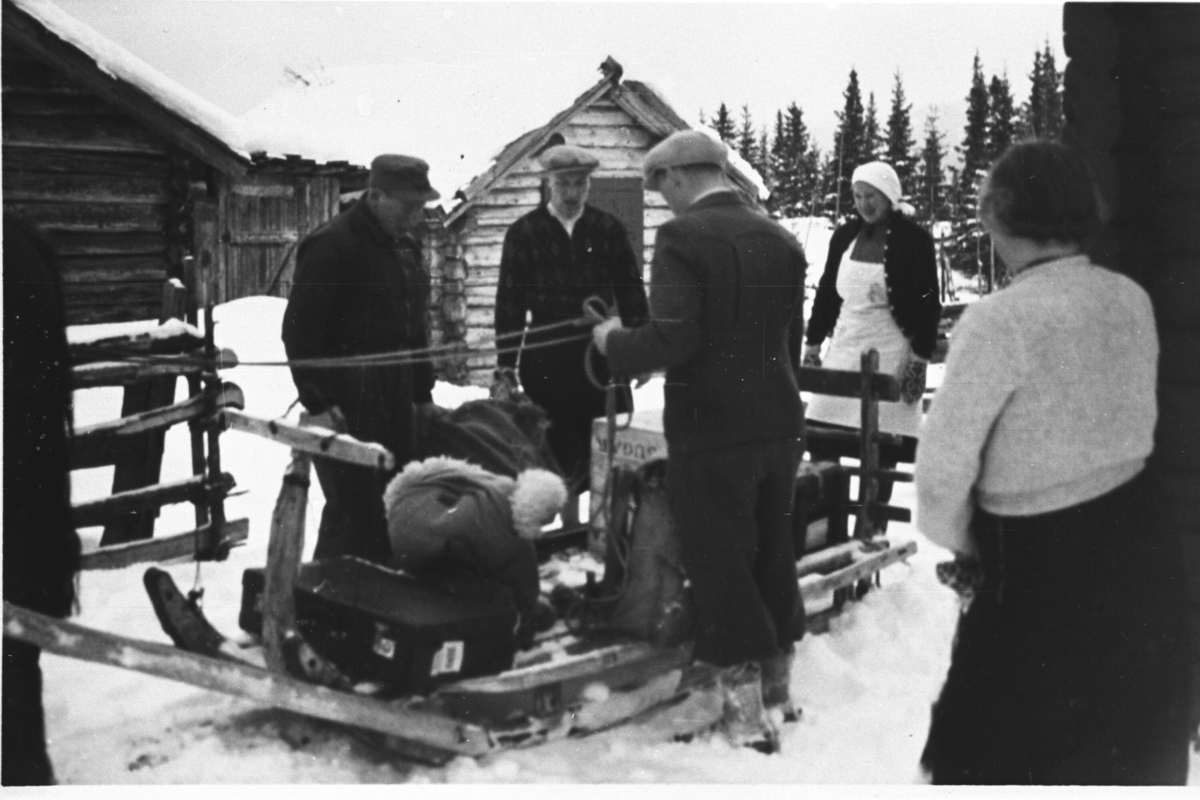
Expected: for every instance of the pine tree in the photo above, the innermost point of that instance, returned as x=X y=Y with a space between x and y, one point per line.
x=1042 y=115
x=723 y=125
x=874 y=134
x=783 y=190
x=974 y=153
x=849 y=148
x=1051 y=97
x=763 y=164
x=747 y=142
x=929 y=194
x=1002 y=118
x=899 y=140
x=804 y=160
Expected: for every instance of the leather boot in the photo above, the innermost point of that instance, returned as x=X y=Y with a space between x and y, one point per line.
x=776 y=689
x=746 y=722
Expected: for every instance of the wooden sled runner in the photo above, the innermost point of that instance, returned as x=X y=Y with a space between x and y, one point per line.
x=576 y=687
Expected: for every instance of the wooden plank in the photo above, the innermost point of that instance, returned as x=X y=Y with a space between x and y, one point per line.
x=163 y=548
x=263 y=237
x=152 y=420
x=92 y=218
x=312 y=440
x=50 y=187
x=284 y=551
x=55 y=105
x=812 y=587
x=187 y=490
x=127 y=310
x=40 y=161
x=137 y=344
x=68 y=245
x=124 y=373
x=602 y=116
x=633 y=138
x=242 y=680
x=112 y=133
x=506 y=197
x=114 y=269
x=828 y=559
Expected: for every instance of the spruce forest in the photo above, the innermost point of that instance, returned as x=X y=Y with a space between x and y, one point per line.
x=941 y=178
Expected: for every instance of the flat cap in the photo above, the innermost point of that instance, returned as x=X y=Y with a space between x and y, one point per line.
x=681 y=149
x=567 y=158
x=396 y=174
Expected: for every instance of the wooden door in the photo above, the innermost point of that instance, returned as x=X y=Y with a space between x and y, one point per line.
x=263 y=219
x=622 y=197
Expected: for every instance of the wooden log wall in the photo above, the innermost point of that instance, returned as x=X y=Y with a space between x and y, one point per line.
x=1132 y=102
x=97 y=183
x=478 y=237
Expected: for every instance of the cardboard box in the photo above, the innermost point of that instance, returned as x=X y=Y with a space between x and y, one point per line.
x=822 y=489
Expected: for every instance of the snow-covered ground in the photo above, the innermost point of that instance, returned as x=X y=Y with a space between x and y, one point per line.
x=865 y=686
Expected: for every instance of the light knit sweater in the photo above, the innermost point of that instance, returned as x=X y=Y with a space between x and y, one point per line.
x=1048 y=399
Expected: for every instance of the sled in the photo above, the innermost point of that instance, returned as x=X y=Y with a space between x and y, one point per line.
x=564 y=686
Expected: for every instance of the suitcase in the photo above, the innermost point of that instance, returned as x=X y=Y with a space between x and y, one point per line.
x=412 y=635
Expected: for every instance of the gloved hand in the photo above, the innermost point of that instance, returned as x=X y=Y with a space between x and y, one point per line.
x=504 y=384
x=812 y=356
x=912 y=382
x=601 y=331
x=330 y=419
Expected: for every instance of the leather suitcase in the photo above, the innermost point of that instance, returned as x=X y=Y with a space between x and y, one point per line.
x=412 y=635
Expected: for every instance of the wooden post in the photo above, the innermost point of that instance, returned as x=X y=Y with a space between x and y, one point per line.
x=284 y=551
x=869 y=455
x=218 y=545
x=142 y=463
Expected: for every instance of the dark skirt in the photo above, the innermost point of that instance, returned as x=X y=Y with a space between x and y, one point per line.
x=1070 y=665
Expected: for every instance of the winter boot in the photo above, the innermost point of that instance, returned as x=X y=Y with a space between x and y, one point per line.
x=746 y=722
x=776 y=693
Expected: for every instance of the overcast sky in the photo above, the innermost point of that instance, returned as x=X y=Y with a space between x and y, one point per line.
x=698 y=54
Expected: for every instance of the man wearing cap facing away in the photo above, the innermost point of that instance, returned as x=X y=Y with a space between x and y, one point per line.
x=361 y=288
x=727 y=293
x=554 y=258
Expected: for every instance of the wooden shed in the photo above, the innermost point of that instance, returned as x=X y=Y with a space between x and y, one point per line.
x=619 y=121
x=126 y=172
x=1132 y=103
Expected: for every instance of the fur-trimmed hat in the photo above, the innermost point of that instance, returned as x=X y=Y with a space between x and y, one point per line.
x=682 y=149
x=880 y=175
x=567 y=158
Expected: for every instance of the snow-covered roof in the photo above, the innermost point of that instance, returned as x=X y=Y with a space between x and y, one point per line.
x=205 y=124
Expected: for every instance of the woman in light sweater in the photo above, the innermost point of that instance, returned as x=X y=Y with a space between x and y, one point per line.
x=1070 y=661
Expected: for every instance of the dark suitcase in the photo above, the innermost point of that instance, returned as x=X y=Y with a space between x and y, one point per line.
x=412 y=635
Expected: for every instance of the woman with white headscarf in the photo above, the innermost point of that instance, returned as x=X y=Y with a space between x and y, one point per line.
x=879 y=290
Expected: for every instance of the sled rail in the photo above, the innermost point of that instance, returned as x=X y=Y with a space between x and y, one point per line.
x=229 y=677
x=199 y=544
x=312 y=440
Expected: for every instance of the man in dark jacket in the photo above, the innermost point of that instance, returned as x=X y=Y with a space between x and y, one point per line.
x=554 y=258
x=727 y=289
x=41 y=548
x=361 y=288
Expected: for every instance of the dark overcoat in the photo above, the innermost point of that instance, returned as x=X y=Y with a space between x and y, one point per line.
x=359 y=291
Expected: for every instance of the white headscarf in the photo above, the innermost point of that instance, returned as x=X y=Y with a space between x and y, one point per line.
x=880 y=175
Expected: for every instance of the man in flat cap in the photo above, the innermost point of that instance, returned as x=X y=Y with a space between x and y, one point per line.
x=554 y=258
x=360 y=288
x=727 y=294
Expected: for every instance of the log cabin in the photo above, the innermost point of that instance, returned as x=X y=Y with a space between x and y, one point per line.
x=126 y=172
x=1131 y=96
x=619 y=121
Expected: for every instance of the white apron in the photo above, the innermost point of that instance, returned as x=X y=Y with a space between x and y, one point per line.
x=865 y=321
